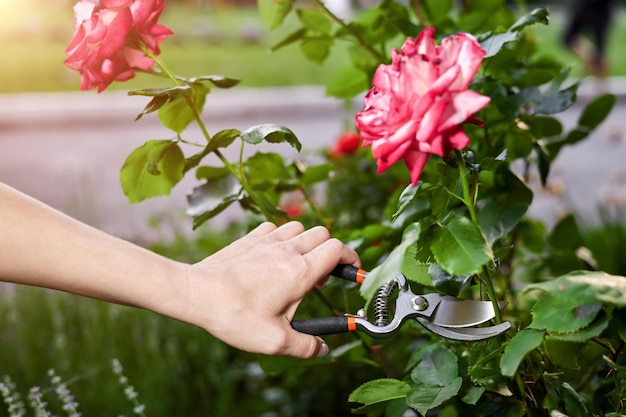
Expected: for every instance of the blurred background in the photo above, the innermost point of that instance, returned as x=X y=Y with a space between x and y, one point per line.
x=66 y=148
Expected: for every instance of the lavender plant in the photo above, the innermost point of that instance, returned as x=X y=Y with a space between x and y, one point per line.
x=12 y=398
x=69 y=403
x=129 y=391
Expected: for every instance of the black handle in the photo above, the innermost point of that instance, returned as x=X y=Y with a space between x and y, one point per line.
x=323 y=326
x=349 y=273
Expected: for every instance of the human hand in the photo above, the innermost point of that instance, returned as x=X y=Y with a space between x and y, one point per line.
x=247 y=293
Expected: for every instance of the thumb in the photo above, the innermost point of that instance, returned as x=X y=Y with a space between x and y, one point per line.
x=305 y=346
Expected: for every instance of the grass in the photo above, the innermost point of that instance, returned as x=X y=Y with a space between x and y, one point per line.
x=207 y=42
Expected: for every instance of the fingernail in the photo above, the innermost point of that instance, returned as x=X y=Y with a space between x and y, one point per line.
x=323 y=350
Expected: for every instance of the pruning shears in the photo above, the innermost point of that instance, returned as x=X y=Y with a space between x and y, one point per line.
x=444 y=315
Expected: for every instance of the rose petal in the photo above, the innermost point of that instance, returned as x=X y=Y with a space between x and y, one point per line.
x=415 y=162
x=461 y=107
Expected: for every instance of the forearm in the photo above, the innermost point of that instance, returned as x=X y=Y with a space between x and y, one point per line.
x=43 y=247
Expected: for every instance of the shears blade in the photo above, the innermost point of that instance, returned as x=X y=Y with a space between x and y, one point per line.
x=470 y=334
x=455 y=313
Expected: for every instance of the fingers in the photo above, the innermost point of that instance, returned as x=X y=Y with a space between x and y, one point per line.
x=262 y=229
x=326 y=256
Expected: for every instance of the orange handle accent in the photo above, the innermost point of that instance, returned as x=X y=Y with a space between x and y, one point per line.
x=360 y=275
x=351 y=324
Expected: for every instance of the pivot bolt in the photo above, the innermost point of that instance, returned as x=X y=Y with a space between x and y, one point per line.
x=419 y=303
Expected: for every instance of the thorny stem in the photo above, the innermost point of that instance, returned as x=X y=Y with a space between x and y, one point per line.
x=469 y=199
x=380 y=57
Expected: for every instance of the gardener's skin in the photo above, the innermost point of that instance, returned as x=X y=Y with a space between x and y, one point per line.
x=246 y=294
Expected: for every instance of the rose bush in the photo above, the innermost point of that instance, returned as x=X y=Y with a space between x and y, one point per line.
x=419 y=101
x=456 y=225
x=110 y=38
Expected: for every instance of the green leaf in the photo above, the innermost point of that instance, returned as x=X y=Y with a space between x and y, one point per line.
x=211 y=173
x=538 y=15
x=160 y=96
x=557 y=312
x=595 y=329
x=266 y=169
x=273 y=12
x=406 y=198
x=563 y=354
x=446 y=283
x=473 y=394
x=222 y=139
x=545 y=127
x=517 y=348
x=494 y=43
x=347 y=82
x=460 y=248
x=271 y=133
x=396 y=15
x=438 y=367
x=498 y=217
x=566 y=235
x=379 y=391
x=316 y=173
x=384 y=272
x=587 y=287
x=178 y=113
x=596 y=111
x=152 y=170
x=317 y=48
x=211 y=198
x=289 y=39
x=437 y=376
x=556 y=101
x=315 y=20
x=437 y=10
x=217 y=80
x=427 y=397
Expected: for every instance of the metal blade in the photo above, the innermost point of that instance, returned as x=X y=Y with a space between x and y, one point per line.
x=456 y=313
x=466 y=334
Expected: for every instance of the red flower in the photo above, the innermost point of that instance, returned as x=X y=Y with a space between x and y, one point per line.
x=418 y=103
x=109 y=35
x=347 y=144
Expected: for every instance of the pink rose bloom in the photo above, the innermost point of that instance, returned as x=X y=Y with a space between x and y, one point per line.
x=418 y=103
x=106 y=46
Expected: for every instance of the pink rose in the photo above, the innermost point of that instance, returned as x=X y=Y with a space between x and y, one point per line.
x=107 y=44
x=418 y=103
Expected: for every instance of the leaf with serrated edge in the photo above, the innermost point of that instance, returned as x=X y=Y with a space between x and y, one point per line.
x=494 y=43
x=587 y=287
x=438 y=367
x=538 y=15
x=517 y=348
x=271 y=133
x=379 y=391
x=427 y=397
x=460 y=248
x=558 y=313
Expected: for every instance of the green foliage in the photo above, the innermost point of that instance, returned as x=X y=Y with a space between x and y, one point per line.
x=462 y=230
x=152 y=170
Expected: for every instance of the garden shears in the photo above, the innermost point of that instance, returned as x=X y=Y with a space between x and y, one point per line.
x=444 y=315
